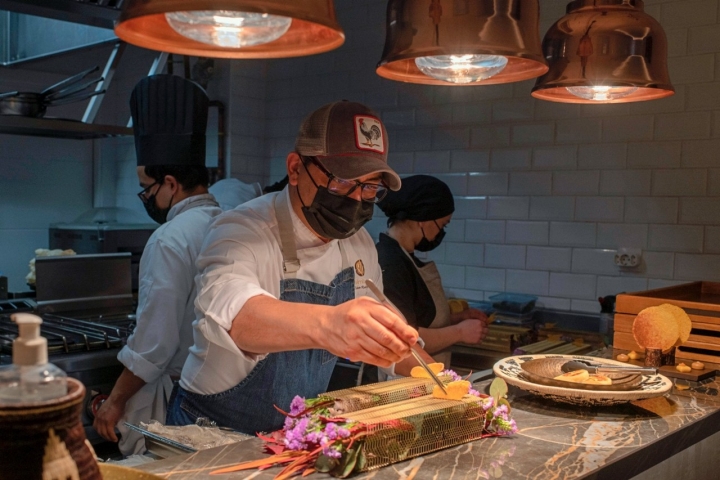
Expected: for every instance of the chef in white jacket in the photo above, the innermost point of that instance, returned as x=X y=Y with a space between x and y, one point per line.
x=169 y=117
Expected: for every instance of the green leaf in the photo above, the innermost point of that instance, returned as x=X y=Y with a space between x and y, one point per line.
x=361 y=459
x=347 y=463
x=498 y=388
x=325 y=464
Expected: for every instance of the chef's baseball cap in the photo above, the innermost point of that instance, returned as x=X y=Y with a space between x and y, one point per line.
x=349 y=140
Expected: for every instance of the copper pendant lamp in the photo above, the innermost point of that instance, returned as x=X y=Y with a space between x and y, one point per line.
x=605 y=51
x=462 y=42
x=231 y=28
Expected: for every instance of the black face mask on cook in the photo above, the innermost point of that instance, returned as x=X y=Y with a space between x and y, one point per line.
x=426 y=245
x=156 y=213
x=333 y=216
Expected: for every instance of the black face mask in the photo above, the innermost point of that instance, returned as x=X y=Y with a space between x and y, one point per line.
x=426 y=245
x=332 y=216
x=156 y=213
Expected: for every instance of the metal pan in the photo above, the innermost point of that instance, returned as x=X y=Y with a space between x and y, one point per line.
x=26 y=104
x=544 y=370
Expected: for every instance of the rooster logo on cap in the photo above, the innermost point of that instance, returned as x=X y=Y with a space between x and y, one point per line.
x=370 y=134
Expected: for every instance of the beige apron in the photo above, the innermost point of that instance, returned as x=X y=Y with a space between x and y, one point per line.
x=430 y=275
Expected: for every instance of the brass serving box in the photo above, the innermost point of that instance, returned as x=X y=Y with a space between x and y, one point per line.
x=404 y=420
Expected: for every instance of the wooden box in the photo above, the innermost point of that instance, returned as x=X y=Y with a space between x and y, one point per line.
x=700 y=300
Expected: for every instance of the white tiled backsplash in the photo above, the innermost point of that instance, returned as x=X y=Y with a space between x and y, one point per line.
x=546 y=192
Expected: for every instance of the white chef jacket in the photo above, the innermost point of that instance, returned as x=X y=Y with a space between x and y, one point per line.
x=158 y=347
x=242 y=258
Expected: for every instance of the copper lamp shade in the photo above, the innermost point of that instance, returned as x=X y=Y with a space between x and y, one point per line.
x=432 y=28
x=314 y=28
x=605 y=45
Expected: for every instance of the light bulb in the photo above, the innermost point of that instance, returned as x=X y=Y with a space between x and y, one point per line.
x=601 y=93
x=461 y=68
x=227 y=28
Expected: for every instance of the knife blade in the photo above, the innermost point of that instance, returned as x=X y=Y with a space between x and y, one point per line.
x=573 y=365
x=384 y=300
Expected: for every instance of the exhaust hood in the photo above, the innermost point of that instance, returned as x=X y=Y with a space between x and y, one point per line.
x=96 y=13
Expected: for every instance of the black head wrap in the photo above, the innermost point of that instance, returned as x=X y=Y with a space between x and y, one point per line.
x=421 y=198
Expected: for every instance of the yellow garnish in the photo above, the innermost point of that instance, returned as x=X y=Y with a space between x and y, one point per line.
x=455 y=390
x=419 y=372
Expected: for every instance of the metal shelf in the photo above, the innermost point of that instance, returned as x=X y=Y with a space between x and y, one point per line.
x=59 y=128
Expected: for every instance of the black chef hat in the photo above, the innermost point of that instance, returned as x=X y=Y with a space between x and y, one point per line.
x=170 y=117
x=420 y=198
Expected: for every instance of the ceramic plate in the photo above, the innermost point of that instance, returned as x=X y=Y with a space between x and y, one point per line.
x=510 y=369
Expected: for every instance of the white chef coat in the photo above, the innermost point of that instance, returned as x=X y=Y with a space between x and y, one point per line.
x=158 y=347
x=240 y=259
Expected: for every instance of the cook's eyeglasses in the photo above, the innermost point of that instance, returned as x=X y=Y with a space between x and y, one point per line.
x=369 y=192
x=144 y=191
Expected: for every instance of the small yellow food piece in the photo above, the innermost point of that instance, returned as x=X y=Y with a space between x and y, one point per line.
x=419 y=372
x=655 y=327
x=697 y=365
x=598 y=379
x=682 y=386
x=682 y=368
x=623 y=358
x=634 y=355
x=577 y=376
x=456 y=305
x=455 y=390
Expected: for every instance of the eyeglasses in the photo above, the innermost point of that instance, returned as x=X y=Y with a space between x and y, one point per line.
x=144 y=191
x=369 y=192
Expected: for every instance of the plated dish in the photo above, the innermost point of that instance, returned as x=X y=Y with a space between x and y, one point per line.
x=539 y=380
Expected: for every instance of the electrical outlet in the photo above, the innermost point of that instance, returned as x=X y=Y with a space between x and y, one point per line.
x=628 y=257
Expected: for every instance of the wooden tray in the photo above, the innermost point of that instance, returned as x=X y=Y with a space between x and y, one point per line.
x=700 y=300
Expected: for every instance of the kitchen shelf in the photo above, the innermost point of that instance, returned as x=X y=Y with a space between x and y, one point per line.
x=59 y=128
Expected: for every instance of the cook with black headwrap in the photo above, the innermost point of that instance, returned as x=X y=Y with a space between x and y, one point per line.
x=418 y=214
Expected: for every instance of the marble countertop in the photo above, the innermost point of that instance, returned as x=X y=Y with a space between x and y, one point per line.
x=554 y=441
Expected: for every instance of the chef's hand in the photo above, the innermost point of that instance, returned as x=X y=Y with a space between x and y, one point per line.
x=470 y=313
x=472 y=330
x=107 y=416
x=364 y=330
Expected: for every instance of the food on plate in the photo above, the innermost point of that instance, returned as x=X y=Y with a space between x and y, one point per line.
x=623 y=358
x=697 y=365
x=598 y=379
x=682 y=319
x=576 y=376
x=455 y=390
x=681 y=367
x=420 y=372
x=655 y=328
x=633 y=355
x=457 y=305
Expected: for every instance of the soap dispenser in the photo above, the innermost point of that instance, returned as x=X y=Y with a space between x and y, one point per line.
x=30 y=378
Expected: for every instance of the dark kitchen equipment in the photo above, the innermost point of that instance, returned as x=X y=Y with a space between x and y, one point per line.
x=63 y=84
x=88 y=313
x=105 y=230
x=32 y=104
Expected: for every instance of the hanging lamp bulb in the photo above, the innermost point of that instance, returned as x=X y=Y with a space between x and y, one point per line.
x=605 y=51
x=231 y=28
x=462 y=42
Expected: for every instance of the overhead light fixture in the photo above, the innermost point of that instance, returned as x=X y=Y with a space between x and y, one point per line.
x=462 y=42
x=605 y=51
x=231 y=28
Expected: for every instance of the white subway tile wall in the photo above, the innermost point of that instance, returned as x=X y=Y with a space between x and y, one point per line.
x=545 y=192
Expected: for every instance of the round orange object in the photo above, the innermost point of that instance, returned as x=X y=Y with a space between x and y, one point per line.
x=682 y=319
x=655 y=327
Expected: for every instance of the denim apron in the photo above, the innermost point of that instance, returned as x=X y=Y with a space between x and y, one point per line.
x=249 y=406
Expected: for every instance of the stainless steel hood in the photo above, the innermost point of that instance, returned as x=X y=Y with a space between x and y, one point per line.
x=97 y=13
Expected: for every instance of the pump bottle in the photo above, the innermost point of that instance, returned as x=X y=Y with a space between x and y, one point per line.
x=30 y=378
